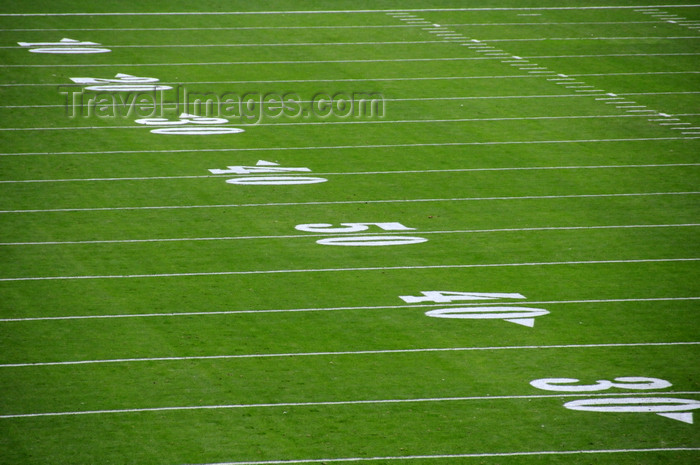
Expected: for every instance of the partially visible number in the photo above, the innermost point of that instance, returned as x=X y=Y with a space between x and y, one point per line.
x=350 y=227
x=568 y=384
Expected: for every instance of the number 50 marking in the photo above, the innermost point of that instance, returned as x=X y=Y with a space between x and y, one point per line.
x=360 y=241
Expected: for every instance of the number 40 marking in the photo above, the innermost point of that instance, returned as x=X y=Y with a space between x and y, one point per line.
x=524 y=316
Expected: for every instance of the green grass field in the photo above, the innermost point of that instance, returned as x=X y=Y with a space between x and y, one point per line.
x=450 y=232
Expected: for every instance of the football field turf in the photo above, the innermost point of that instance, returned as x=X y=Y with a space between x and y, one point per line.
x=390 y=232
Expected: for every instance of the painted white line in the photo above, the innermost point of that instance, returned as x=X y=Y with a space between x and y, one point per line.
x=421 y=99
x=364 y=173
x=397 y=79
x=328 y=123
x=271 y=44
x=335 y=309
x=316 y=12
x=356 y=26
x=545 y=39
x=352 y=147
x=334 y=403
x=459 y=456
x=335 y=270
x=329 y=44
x=297 y=62
x=348 y=202
x=301 y=236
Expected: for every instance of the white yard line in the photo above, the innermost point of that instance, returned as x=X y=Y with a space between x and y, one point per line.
x=338 y=403
x=352 y=147
x=373 y=43
x=66 y=86
x=301 y=236
x=363 y=173
x=305 y=62
x=358 y=11
x=336 y=270
x=458 y=456
x=336 y=123
x=356 y=26
x=351 y=202
x=336 y=309
x=415 y=99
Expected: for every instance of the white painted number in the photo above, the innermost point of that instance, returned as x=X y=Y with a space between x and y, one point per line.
x=121 y=83
x=676 y=409
x=360 y=241
x=263 y=166
x=350 y=227
x=64 y=46
x=275 y=180
x=200 y=128
x=524 y=316
x=185 y=118
x=447 y=296
x=567 y=384
x=519 y=315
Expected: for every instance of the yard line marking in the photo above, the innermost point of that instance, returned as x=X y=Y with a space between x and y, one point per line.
x=336 y=403
x=422 y=99
x=327 y=123
x=298 y=236
x=542 y=39
x=313 y=12
x=279 y=44
x=343 y=147
x=399 y=79
x=454 y=170
x=334 y=309
x=331 y=270
x=357 y=26
x=347 y=202
x=295 y=62
x=328 y=44
x=458 y=456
